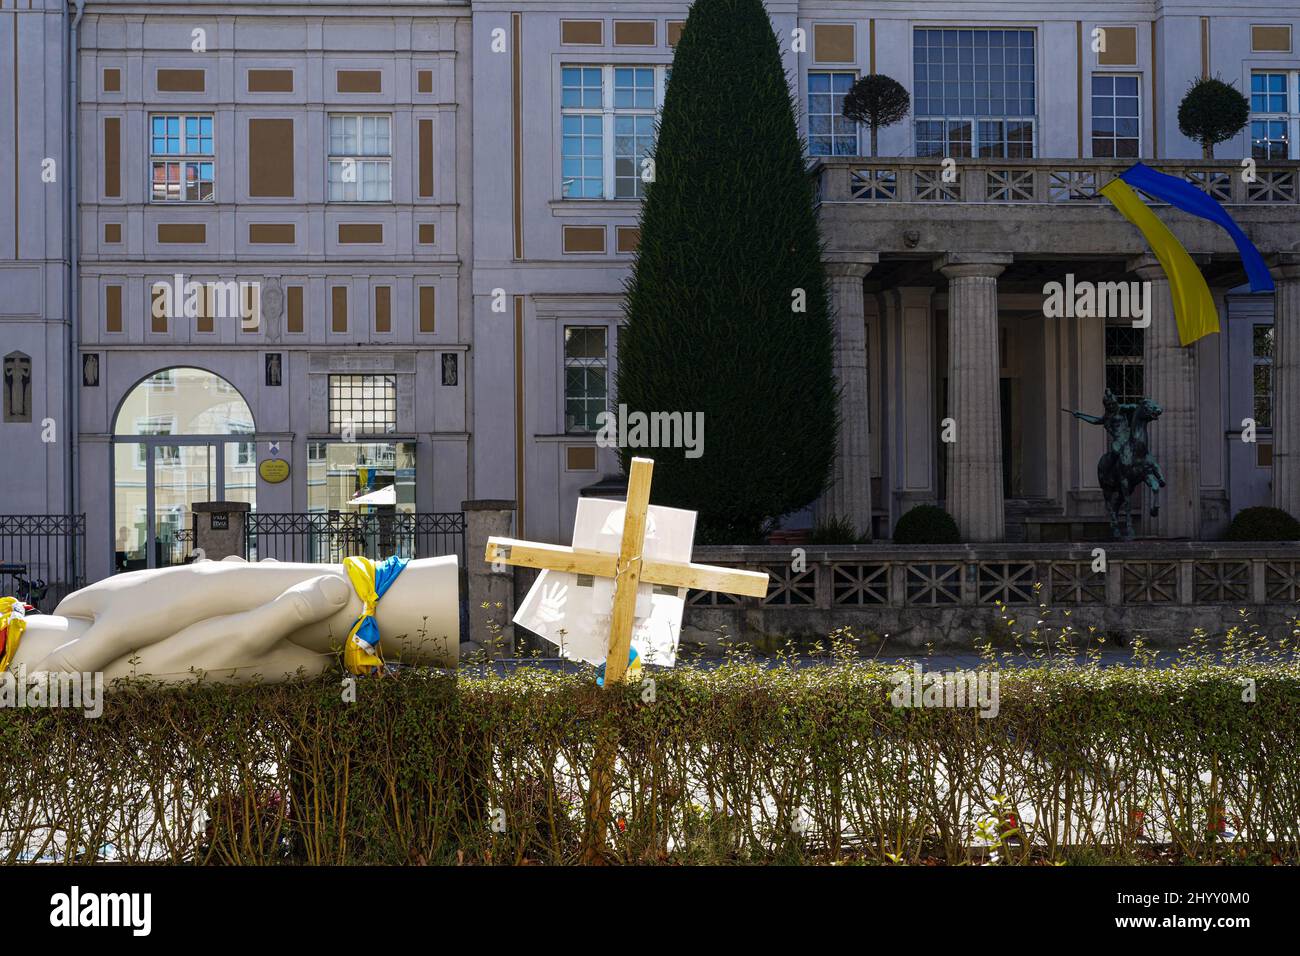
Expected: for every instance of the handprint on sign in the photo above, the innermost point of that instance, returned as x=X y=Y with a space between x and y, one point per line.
x=551 y=607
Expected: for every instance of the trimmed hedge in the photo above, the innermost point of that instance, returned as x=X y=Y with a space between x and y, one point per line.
x=926 y=524
x=1080 y=765
x=1263 y=524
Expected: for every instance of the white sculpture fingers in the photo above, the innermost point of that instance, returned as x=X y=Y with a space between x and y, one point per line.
x=238 y=640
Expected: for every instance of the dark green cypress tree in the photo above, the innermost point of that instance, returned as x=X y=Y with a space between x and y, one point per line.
x=729 y=250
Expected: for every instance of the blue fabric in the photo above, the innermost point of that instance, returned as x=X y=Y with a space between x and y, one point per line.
x=600 y=671
x=1183 y=195
x=386 y=573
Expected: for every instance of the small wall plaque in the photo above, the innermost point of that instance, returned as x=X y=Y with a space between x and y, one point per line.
x=219 y=520
x=273 y=470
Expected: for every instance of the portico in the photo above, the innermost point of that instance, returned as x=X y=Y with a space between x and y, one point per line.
x=967 y=374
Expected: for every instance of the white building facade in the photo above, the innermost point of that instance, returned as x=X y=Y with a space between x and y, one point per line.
x=410 y=225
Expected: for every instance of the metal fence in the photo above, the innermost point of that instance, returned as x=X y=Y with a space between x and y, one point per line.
x=42 y=557
x=329 y=537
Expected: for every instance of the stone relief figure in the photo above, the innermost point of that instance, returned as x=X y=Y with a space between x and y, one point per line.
x=18 y=387
x=233 y=621
x=1126 y=465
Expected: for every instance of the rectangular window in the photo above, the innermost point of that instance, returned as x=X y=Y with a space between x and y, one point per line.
x=182 y=158
x=1116 y=116
x=1262 y=352
x=1125 y=371
x=829 y=133
x=974 y=93
x=360 y=158
x=607 y=126
x=1274 y=113
x=361 y=478
x=586 y=375
x=365 y=404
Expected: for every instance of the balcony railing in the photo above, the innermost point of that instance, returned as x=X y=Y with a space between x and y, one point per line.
x=1074 y=181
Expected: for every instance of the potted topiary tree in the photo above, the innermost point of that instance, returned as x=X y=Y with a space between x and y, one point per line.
x=877 y=101
x=1211 y=112
x=728 y=304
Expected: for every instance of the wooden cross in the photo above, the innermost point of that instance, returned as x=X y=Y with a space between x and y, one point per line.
x=628 y=568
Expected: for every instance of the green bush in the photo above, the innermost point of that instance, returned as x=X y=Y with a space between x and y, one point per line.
x=728 y=306
x=714 y=767
x=838 y=530
x=926 y=524
x=1263 y=524
x=1212 y=112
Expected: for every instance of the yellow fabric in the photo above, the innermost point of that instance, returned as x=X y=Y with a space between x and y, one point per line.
x=1194 y=308
x=12 y=626
x=358 y=657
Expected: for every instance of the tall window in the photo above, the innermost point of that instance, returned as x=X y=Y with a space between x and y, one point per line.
x=360 y=158
x=1262 y=351
x=1116 y=119
x=974 y=92
x=829 y=133
x=586 y=374
x=607 y=125
x=1274 y=113
x=181 y=156
x=1125 y=372
x=366 y=404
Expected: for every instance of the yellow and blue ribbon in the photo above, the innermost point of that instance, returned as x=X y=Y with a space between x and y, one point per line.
x=633 y=668
x=1181 y=194
x=12 y=624
x=361 y=652
x=1194 y=309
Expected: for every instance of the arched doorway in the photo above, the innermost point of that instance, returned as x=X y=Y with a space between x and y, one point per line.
x=173 y=446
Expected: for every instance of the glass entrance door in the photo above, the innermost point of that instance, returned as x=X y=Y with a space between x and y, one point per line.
x=181 y=475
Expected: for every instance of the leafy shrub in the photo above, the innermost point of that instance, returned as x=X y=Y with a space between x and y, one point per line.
x=877 y=101
x=926 y=524
x=1211 y=112
x=1103 y=764
x=837 y=530
x=1263 y=524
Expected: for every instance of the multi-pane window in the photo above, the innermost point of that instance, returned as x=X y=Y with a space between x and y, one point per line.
x=1262 y=352
x=163 y=454
x=1116 y=116
x=363 y=404
x=1124 y=367
x=1274 y=113
x=181 y=158
x=586 y=375
x=974 y=92
x=607 y=127
x=360 y=158
x=829 y=133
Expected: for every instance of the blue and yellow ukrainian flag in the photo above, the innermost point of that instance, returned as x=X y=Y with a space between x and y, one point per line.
x=1194 y=308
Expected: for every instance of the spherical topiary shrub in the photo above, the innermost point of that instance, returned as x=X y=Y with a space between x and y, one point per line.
x=1263 y=524
x=926 y=524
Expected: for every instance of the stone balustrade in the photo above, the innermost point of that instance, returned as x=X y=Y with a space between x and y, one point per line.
x=1038 y=180
x=952 y=596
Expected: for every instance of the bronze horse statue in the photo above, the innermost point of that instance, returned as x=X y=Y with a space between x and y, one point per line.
x=1127 y=463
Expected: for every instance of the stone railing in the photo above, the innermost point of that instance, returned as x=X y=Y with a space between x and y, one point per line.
x=951 y=595
x=855 y=179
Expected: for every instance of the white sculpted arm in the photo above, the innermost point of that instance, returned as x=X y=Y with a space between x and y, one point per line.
x=196 y=634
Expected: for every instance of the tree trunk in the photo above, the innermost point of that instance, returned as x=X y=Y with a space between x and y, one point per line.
x=874 y=130
x=1207 y=151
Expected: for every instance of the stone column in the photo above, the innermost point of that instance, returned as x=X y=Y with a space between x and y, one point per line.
x=849 y=493
x=490 y=592
x=1286 y=384
x=219 y=529
x=974 y=493
x=1170 y=379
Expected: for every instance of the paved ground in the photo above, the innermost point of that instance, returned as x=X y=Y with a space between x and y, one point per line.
x=1117 y=657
